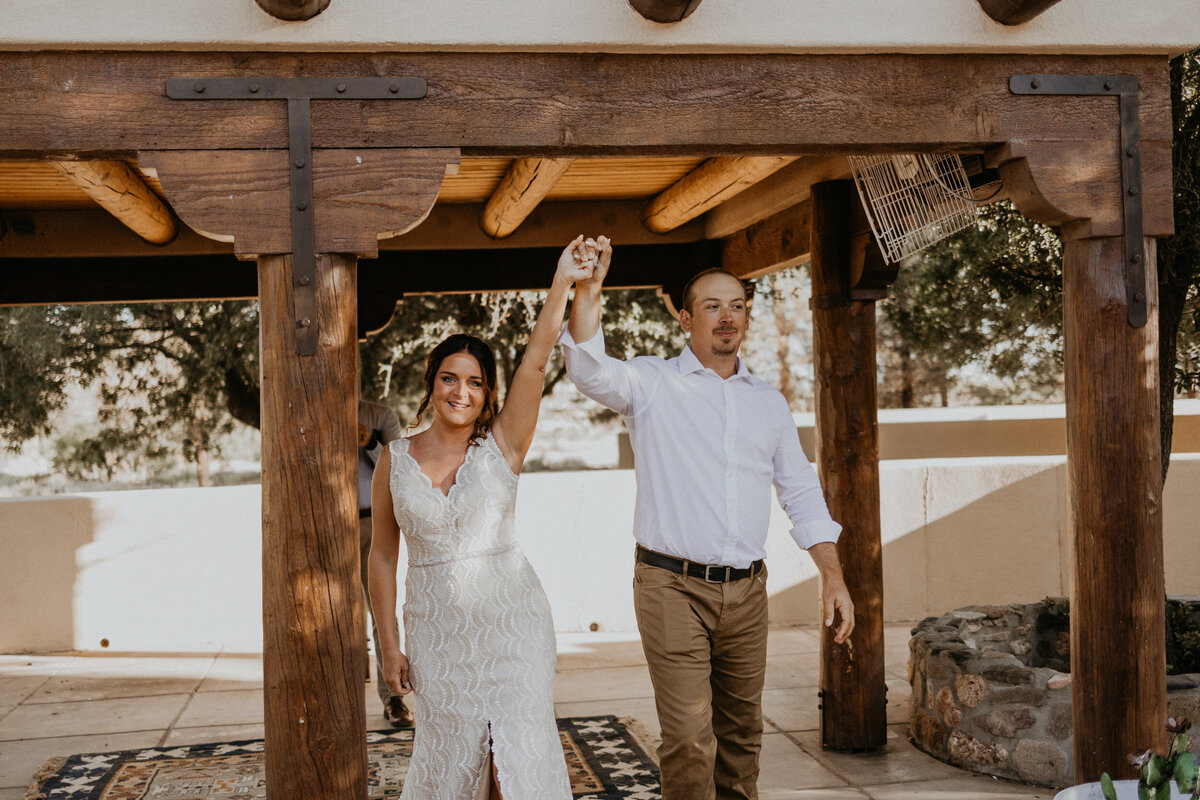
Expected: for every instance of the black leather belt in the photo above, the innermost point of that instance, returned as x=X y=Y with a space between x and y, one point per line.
x=709 y=572
x=364 y=512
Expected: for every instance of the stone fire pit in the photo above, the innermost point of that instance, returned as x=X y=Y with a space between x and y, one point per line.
x=991 y=688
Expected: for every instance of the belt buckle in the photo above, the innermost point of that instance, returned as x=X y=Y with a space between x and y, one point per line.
x=707 y=574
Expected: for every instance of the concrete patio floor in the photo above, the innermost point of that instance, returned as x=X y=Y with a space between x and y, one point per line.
x=60 y=704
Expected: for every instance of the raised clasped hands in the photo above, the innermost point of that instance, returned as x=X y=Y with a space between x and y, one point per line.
x=586 y=260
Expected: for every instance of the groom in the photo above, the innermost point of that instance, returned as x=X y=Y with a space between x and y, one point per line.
x=709 y=439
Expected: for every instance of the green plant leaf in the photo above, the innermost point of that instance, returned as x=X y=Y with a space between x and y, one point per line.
x=1106 y=786
x=1185 y=772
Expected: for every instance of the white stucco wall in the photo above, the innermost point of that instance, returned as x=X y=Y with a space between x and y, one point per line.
x=1081 y=26
x=179 y=570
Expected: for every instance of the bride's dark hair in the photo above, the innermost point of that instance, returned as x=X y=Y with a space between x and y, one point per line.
x=473 y=346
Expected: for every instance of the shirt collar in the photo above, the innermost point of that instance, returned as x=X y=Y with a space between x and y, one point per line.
x=689 y=363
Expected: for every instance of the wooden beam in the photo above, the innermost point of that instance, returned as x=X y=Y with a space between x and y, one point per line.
x=1014 y=12
x=777 y=242
x=313 y=610
x=121 y=192
x=1115 y=488
x=1078 y=183
x=394 y=274
x=70 y=233
x=709 y=185
x=360 y=196
x=572 y=104
x=526 y=184
x=664 y=10
x=853 y=687
x=779 y=191
x=293 y=9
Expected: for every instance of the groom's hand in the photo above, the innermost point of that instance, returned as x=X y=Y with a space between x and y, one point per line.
x=598 y=252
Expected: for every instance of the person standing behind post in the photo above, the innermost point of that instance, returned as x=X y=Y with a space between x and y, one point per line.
x=709 y=440
x=377 y=426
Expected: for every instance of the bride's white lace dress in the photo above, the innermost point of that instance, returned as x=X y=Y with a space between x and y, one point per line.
x=479 y=637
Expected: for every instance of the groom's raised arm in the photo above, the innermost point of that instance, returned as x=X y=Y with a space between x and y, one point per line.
x=606 y=380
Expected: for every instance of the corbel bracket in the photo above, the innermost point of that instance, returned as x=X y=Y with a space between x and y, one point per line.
x=1125 y=88
x=299 y=92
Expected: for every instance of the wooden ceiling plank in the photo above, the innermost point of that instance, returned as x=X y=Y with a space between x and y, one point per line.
x=527 y=182
x=120 y=191
x=707 y=186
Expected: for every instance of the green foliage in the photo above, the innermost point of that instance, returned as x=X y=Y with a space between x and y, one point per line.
x=1179 y=255
x=42 y=351
x=1183 y=638
x=988 y=297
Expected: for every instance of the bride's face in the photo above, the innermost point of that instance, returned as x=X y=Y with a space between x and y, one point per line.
x=458 y=390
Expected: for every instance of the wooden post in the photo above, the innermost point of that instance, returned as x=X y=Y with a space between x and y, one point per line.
x=312 y=612
x=1118 y=648
x=853 y=690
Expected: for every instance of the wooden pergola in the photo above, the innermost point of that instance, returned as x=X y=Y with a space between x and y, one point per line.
x=450 y=172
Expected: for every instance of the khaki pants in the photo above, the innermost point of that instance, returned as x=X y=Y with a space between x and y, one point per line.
x=706 y=647
x=364 y=550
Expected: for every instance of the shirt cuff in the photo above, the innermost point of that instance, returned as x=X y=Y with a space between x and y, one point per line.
x=809 y=533
x=593 y=346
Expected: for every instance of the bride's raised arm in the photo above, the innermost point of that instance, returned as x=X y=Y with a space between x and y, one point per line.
x=515 y=423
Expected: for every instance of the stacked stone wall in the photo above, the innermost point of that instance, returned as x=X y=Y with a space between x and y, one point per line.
x=991 y=690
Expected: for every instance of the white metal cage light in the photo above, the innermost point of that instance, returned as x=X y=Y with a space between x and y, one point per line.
x=913 y=200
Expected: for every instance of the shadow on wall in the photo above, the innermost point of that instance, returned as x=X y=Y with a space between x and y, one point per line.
x=39 y=572
x=959 y=534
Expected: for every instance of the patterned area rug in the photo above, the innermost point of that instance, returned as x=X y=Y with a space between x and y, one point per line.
x=608 y=759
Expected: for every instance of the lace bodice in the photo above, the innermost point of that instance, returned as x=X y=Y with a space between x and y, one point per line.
x=475 y=518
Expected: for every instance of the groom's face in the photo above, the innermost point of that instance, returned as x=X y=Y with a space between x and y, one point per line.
x=718 y=315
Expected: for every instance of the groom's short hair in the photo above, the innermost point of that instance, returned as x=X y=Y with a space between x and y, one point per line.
x=689 y=288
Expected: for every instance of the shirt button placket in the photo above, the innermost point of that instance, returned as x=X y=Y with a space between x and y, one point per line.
x=731 y=466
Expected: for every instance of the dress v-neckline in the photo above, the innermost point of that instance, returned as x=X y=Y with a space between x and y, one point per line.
x=429 y=481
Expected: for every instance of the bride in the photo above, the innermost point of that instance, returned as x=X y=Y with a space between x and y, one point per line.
x=479 y=635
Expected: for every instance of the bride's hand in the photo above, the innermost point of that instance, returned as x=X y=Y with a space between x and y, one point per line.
x=395 y=672
x=576 y=262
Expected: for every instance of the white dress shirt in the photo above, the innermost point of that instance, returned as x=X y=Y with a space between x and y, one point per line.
x=707 y=451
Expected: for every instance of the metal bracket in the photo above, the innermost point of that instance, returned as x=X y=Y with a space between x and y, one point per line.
x=1125 y=88
x=299 y=92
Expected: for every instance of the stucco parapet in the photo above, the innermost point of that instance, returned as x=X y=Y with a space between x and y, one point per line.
x=783 y=26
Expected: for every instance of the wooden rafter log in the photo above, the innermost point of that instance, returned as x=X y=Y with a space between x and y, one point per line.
x=664 y=10
x=1014 y=12
x=121 y=192
x=708 y=185
x=293 y=9
x=526 y=184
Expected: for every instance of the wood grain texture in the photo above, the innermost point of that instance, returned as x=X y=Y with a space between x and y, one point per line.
x=563 y=104
x=118 y=189
x=243 y=196
x=1072 y=183
x=707 y=186
x=774 y=193
x=777 y=242
x=313 y=609
x=1014 y=12
x=527 y=183
x=1118 y=649
x=853 y=689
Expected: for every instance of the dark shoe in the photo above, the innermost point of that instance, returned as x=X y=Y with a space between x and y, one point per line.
x=397 y=713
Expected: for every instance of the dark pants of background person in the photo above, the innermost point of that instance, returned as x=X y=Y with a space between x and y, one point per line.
x=364 y=549
x=706 y=647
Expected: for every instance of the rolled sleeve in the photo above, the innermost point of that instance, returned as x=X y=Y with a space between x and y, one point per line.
x=800 y=492
x=609 y=381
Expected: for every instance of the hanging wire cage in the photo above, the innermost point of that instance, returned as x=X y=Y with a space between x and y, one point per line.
x=913 y=199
